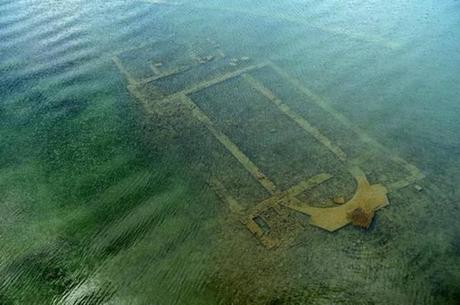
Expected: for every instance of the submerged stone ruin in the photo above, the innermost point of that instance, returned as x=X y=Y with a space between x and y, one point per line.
x=283 y=151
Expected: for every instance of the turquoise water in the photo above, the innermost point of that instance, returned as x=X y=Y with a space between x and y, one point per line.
x=103 y=200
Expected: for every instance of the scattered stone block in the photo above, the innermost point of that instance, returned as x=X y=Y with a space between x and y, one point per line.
x=361 y=218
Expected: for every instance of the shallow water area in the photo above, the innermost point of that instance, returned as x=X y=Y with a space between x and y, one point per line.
x=215 y=152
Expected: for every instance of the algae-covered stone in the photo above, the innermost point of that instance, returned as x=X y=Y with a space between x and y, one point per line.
x=361 y=218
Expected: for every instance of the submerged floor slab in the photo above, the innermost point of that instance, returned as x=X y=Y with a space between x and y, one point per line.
x=368 y=198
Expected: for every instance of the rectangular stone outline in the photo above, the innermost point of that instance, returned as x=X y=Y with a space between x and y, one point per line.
x=252 y=168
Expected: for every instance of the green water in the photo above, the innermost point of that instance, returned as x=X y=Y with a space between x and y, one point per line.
x=105 y=201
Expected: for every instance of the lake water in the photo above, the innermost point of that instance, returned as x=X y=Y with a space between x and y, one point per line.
x=140 y=140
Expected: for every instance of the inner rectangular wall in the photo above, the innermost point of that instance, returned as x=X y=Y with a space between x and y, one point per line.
x=275 y=143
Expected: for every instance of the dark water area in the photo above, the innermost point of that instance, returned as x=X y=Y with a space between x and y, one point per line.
x=172 y=152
